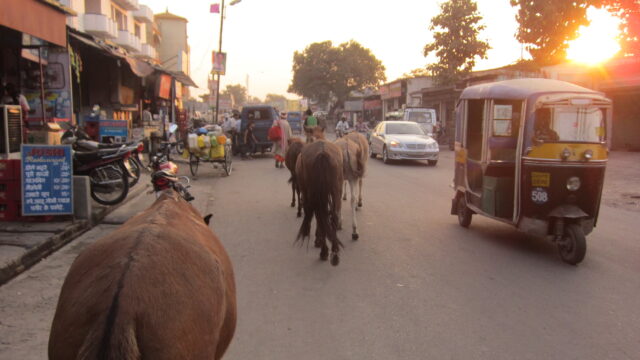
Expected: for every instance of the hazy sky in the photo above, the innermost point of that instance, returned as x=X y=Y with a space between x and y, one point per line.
x=260 y=36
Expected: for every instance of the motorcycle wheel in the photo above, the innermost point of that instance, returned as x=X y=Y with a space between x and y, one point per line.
x=180 y=148
x=109 y=185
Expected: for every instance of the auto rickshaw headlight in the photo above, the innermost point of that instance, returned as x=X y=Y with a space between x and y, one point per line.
x=566 y=153
x=573 y=184
x=588 y=154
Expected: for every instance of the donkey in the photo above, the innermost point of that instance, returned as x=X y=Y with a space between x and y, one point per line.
x=354 y=161
x=293 y=151
x=319 y=174
x=159 y=287
x=363 y=157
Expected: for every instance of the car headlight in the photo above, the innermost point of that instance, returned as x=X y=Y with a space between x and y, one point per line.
x=394 y=144
x=573 y=183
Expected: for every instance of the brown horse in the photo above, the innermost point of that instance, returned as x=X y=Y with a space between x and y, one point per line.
x=319 y=174
x=293 y=151
x=354 y=163
x=159 y=287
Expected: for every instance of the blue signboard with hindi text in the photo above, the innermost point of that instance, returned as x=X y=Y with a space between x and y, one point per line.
x=47 y=180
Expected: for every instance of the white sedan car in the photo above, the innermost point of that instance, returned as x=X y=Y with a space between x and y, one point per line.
x=403 y=140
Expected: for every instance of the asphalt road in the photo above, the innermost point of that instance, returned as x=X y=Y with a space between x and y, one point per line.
x=415 y=286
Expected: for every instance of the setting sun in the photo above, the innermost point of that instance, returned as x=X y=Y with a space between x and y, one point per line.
x=597 y=42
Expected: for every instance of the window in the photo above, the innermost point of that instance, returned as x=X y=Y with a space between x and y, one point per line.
x=420 y=117
x=119 y=17
x=404 y=128
x=137 y=31
x=570 y=124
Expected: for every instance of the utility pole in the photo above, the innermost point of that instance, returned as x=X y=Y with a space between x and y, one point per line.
x=215 y=119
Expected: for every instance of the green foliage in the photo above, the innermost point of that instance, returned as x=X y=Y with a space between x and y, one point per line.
x=237 y=92
x=456 y=42
x=323 y=71
x=546 y=27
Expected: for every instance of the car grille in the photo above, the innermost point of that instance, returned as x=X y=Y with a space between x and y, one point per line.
x=416 y=146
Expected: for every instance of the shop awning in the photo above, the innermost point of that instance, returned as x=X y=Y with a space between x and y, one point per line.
x=40 y=18
x=138 y=67
x=183 y=78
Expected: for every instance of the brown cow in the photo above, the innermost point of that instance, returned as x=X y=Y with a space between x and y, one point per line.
x=159 y=287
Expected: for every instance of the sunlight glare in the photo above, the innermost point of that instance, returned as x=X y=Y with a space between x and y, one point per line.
x=597 y=42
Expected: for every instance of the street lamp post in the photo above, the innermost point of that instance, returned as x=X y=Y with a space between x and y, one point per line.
x=220 y=50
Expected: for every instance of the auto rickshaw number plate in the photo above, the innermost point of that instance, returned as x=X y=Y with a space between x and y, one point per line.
x=540 y=179
x=539 y=196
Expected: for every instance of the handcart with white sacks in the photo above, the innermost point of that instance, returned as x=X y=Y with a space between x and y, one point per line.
x=210 y=145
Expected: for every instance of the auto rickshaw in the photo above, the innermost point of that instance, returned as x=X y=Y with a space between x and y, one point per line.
x=532 y=153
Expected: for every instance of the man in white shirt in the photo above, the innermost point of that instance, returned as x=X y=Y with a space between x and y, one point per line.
x=342 y=127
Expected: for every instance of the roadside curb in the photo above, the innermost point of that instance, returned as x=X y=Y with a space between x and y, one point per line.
x=57 y=241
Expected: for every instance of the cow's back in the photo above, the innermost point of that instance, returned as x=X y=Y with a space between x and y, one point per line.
x=161 y=286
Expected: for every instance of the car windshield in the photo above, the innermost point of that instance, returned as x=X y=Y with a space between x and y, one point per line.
x=404 y=128
x=570 y=124
x=420 y=117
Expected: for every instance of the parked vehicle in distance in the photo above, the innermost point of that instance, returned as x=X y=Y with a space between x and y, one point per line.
x=295 y=121
x=263 y=117
x=423 y=116
x=402 y=140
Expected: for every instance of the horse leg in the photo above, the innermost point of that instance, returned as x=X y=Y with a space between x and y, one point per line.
x=299 y=202
x=344 y=191
x=293 y=194
x=352 y=185
x=360 y=192
x=320 y=235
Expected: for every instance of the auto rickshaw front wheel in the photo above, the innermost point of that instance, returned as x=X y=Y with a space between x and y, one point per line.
x=464 y=213
x=573 y=246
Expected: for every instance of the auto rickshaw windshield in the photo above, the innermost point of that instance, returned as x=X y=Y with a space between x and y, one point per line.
x=570 y=124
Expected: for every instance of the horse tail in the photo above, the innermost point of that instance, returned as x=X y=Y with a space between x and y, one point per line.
x=113 y=339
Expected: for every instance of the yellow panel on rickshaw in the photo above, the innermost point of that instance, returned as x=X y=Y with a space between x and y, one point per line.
x=554 y=151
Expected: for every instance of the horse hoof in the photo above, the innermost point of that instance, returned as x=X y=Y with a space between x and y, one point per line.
x=324 y=255
x=293 y=204
x=318 y=244
x=355 y=236
x=360 y=204
x=299 y=215
x=335 y=260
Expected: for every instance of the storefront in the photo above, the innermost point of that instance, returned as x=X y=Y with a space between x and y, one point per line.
x=393 y=96
x=372 y=109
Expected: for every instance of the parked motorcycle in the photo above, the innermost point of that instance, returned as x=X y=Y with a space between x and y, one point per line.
x=108 y=169
x=165 y=176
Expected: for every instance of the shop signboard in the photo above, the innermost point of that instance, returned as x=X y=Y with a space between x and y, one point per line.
x=116 y=129
x=57 y=89
x=384 y=91
x=164 y=86
x=373 y=104
x=47 y=180
x=395 y=90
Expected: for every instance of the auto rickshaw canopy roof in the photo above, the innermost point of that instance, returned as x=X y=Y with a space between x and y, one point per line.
x=520 y=89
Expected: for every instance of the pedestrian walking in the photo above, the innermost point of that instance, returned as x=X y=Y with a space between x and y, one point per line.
x=280 y=145
x=250 y=141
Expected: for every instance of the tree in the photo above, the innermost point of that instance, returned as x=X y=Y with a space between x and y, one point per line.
x=323 y=72
x=273 y=98
x=629 y=12
x=237 y=92
x=456 y=42
x=546 y=27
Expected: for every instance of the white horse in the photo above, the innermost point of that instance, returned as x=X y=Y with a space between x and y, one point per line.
x=355 y=150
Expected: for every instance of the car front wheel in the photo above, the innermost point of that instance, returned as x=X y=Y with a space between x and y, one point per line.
x=371 y=153
x=385 y=156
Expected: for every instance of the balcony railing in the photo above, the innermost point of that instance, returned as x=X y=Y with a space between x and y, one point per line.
x=128 y=41
x=128 y=4
x=144 y=14
x=100 y=25
x=148 y=51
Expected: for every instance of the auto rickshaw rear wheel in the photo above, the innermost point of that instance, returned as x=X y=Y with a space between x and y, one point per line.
x=464 y=213
x=573 y=246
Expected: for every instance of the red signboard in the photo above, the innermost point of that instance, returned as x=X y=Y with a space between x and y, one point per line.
x=372 y=104
x=164 y=86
